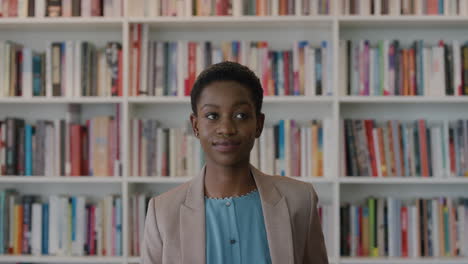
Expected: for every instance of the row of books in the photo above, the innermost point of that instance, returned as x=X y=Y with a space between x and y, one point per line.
x=138 y=209
x=289 y=148
x=171 y=68
x=189 y=8
x=158 y=151
x=402 y=149
x=292 y=148
x=61 y=147
x=60 y=225
x=60 y=8
x=387 y=68
x=390 y=227
x=68 y=69
x=404 y=7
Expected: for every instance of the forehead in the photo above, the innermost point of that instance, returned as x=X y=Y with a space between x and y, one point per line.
x=225 y=93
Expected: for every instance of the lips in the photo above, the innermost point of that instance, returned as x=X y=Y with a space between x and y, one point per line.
x=226 y=145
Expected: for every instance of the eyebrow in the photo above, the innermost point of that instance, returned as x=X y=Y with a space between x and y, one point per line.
x=217 y=106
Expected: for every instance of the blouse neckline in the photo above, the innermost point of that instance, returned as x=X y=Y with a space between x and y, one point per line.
x=233 y=197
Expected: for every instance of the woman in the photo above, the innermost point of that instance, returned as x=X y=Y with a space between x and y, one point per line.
x=232 y=212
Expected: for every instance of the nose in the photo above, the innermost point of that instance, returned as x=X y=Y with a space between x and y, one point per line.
x=226 y=127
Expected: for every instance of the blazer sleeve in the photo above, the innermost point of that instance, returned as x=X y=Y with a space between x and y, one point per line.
x=315 y=251
x=152 y=244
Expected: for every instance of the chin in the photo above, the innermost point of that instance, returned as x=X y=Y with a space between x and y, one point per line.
x=227 y=161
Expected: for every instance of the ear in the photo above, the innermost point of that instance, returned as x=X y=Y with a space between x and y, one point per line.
x=260 y=123
x=194 y=122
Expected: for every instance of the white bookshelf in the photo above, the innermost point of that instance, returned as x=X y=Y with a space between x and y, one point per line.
x=173 y=111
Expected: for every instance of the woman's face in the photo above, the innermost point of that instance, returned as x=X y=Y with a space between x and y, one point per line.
x=227 y=123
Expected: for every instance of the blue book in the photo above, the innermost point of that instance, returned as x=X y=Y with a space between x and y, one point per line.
x=45 y=229
x=441 y=7
x=28 y=149
x=118 y=224
x=281 y=149
x=37 y=75
x=73 y=219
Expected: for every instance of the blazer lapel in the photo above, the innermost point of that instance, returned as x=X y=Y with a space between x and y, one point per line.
x=192 y=223
x=277 y=219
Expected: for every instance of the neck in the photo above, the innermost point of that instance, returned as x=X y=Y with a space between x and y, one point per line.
x=228 y=181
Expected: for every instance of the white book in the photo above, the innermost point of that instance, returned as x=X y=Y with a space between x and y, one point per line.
x=141 y=217
x=136 y=148
x=54 y=225
x=118 y=7
x=86 y=8
x=144 y=60
x=365 y=7
x=298 y=7
x=313 y=7
x=427 y=70
x=160 y=150
x=36 y=229
x=447 y=10
x=391 y=205
x=354 y=232
x=180 y=5
x=57 y=156
x=172 y=152
x=435 y=227
x=99 y=229
x=462 y=225
x=109 y=8
x=274 y=7
x=463 y=8
x=108 y=224
x=377 y=7
x=22 y=8
x=39 y=8
x=188 y=8
x=27 y=72
x=153 y=8
x=80 y=225
x=159 y=71
x=236 y=8
x=411 y=231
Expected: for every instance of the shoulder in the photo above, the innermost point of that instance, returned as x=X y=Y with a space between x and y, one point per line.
x=170 y=199
x=295 y=191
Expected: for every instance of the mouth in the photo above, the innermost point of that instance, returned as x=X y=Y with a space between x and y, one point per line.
x=226 y=145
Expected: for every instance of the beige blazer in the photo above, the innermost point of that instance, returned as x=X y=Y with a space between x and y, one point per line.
x=175 y=223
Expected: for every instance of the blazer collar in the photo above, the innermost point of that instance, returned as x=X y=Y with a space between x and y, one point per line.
x=275 y=214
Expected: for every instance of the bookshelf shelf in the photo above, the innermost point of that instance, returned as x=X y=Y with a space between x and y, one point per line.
x=403 y=260
x=398 y=180
x=58 y=259
x=48 y=179
x=266 y=99
x=57 y=100
x=403 y=99
x=72 y=23
x=226 y=22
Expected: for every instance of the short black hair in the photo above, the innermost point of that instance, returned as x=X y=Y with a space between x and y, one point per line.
x=228 y=71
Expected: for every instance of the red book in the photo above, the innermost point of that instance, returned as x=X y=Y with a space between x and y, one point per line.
x=96 y=8
x=369 y=125
x=192 y=67
x=84 y=151
x=423 y=148
x=360 y=248
x=12 y=8
x=92 y=226
x=75 y=149
x=404 y=231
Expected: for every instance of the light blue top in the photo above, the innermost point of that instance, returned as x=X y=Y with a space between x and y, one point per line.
x=235 y=230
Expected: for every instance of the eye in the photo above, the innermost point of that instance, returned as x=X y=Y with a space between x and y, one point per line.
x=211 y=116
x=241 y=116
